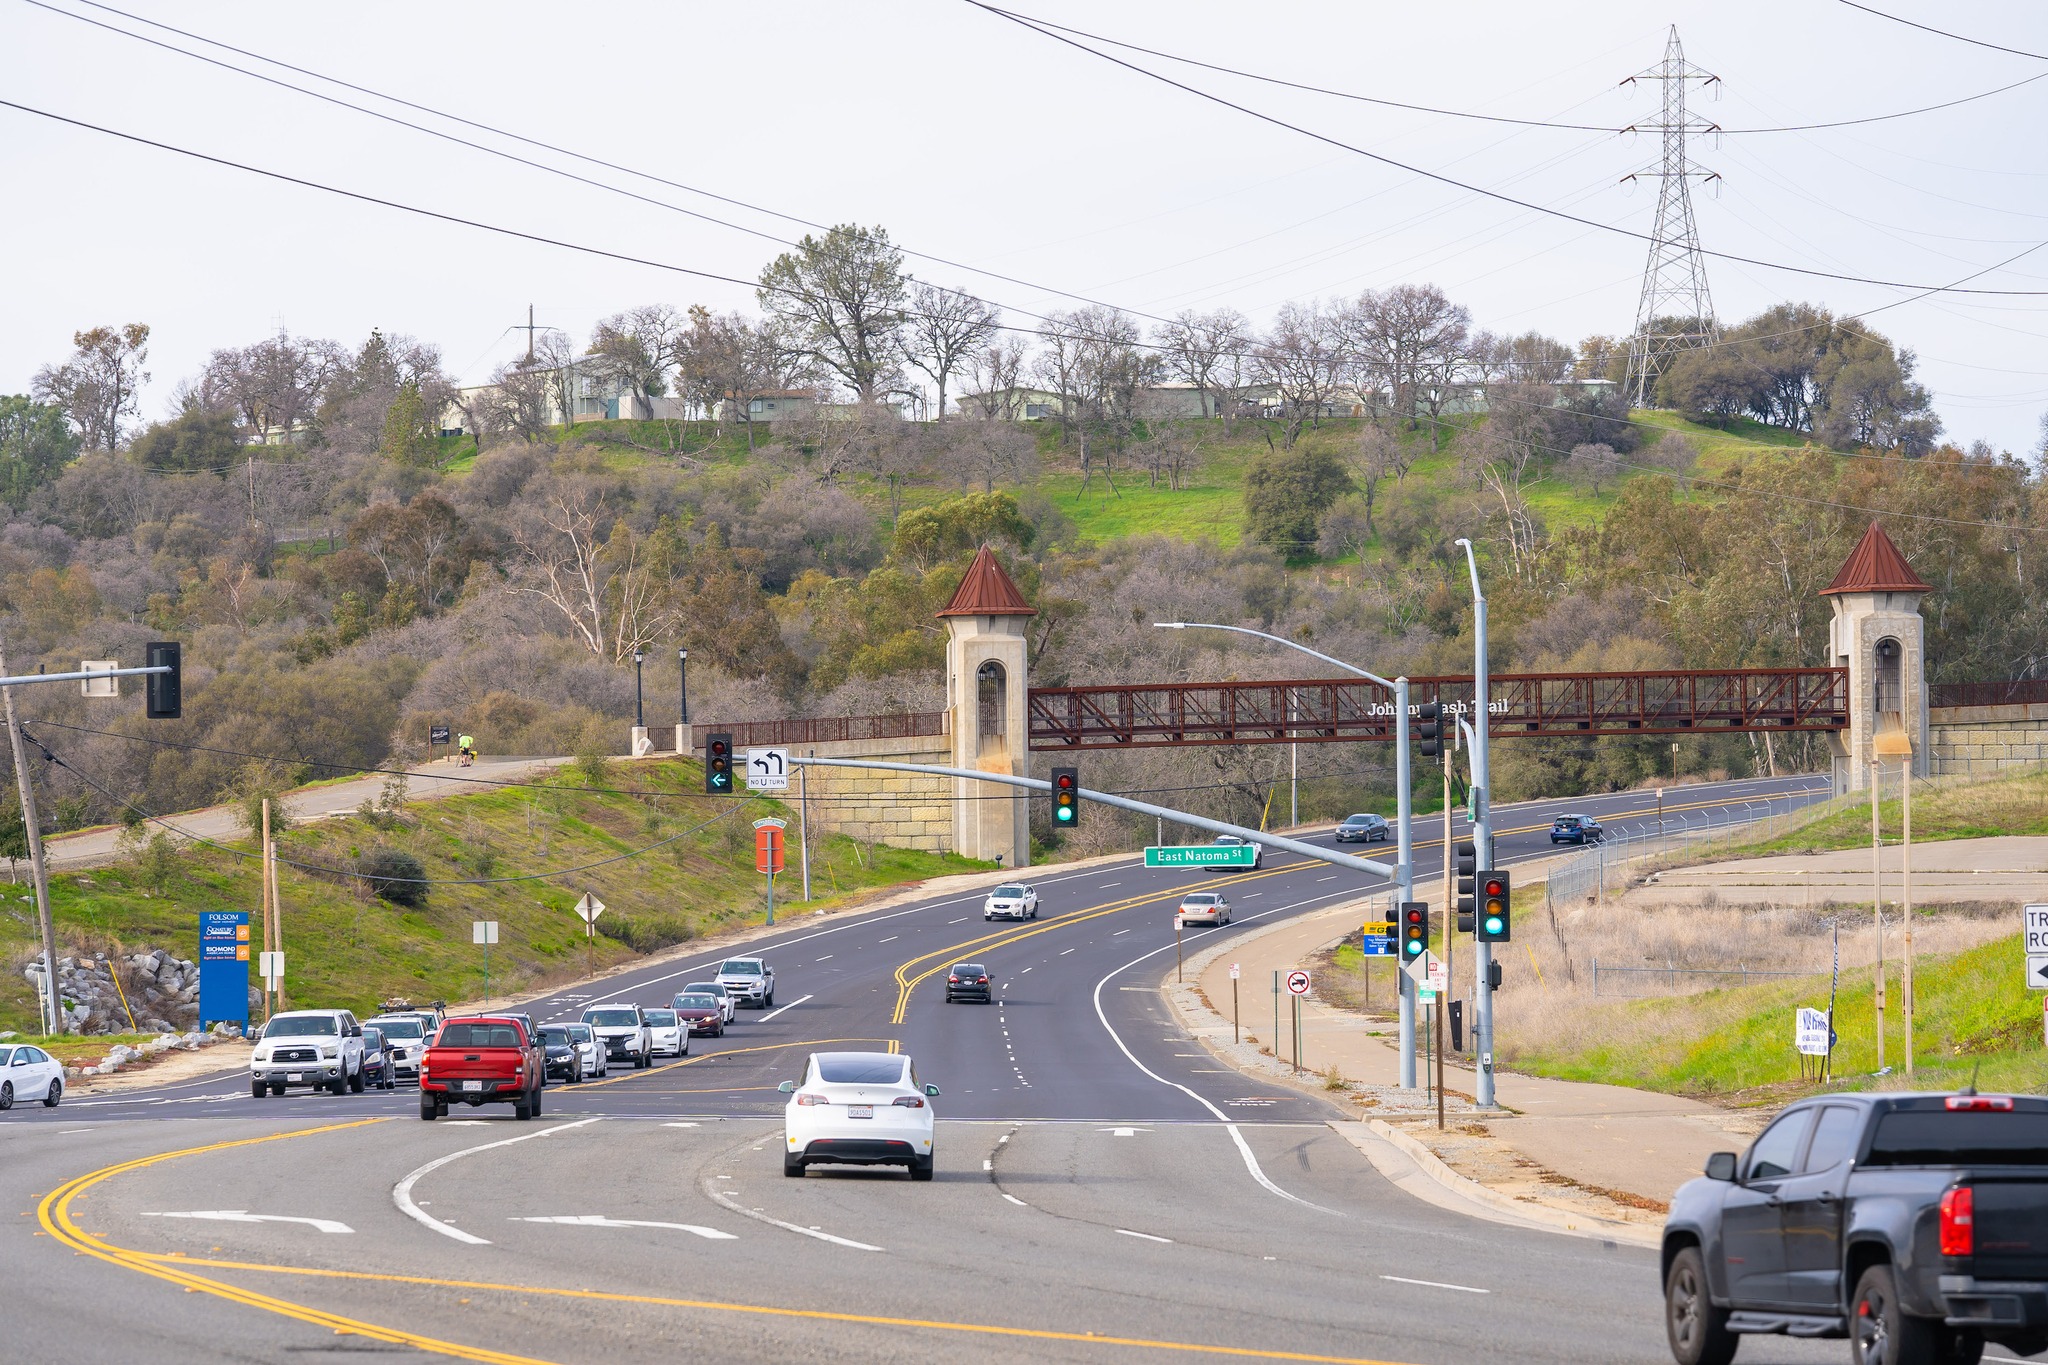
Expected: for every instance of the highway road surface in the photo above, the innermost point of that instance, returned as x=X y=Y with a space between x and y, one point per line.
x=1106 y=1191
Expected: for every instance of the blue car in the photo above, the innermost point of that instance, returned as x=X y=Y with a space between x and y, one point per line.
x=1576 y=829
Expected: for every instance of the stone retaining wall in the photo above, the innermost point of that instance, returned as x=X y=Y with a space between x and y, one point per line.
x=1983 y=741
x=906 y=810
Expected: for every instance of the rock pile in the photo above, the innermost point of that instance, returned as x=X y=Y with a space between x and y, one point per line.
x=161 y=991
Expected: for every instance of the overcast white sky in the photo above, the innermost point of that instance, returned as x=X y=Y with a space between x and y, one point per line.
x=973 y=139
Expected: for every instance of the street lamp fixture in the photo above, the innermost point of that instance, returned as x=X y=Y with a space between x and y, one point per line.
x=1404 y=804
x=683 y=671
x=639 y=709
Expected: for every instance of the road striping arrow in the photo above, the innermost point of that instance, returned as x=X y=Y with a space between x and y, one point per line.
x=596 y=1220
x=1123 y=1132
x=244 y=1216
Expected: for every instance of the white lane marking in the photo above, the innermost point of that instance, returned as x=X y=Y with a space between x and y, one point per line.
x=1244 y=1149
x=828 y=957
x=597 y=1220
x=1015 y=1200
x=70 y=1132
x=1025 y=970
x=962 y=920
x=988 y=1165
x=1146 y=1235
x=891 y=939
x=1436 y=1284
x=1326 y=879
x=1104 y=886
x=784 y=1010
x=1069 y=950
x=726 y=1200
x=401 y=1193
x=1120 y=931
x=1252 y=896
x=682 y=1125
x=1124 y=1132
x=244 y=1216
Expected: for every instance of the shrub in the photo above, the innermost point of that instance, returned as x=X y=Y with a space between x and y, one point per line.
x=394 y=875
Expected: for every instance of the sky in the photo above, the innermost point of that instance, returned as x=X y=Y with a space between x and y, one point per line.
x=994 y=151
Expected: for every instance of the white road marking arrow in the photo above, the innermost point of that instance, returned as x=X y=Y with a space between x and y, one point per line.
x=1123 y=1132
x=244 y=1216
x=595 y=1220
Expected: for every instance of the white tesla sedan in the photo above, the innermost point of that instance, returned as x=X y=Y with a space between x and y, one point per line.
x=29 y=1073
x=861 y=1109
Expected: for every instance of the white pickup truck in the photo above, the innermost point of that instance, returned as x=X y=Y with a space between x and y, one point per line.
x=749 y=980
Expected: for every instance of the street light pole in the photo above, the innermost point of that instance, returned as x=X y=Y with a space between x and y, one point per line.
x=683 y=713
x=639 y=696
x=1404 y=833
x=1482 y=838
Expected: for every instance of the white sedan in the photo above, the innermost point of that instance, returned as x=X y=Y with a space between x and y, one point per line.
x=1011 y=901
x=596 y=1061
x=1202 y=907
x=670 y=1035
x=29 y=1073
x=860 y=1109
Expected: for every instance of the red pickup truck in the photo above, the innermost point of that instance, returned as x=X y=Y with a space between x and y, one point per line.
x=483 y=1059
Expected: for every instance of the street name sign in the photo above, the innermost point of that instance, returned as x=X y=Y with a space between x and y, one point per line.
x=768 y=770
x=1297 y=983
x=1202 y=855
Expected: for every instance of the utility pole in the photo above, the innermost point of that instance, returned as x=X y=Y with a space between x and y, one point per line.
x=1675 y=311
x=1482 y=839
x=1450 y=882
x=1877 y=900
x=32 y=826
x=269 y=869
x=529 y=329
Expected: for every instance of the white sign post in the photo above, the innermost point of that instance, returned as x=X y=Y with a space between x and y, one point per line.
x=587 y=910
x=768 y=770
x=2037 y=946
x=485 y=931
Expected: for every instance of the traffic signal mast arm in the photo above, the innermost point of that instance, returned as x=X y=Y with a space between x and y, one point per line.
x=23 y=679
x=1255 y=836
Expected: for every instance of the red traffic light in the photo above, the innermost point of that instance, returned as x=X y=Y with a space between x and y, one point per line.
x=718 y=748
x=1415 y=917
x=1496 y=887
x=1063 y=779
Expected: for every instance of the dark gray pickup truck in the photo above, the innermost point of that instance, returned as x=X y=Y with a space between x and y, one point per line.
x=1915 y=1225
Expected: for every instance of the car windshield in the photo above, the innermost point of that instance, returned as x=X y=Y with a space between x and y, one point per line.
x=1228 y=839
x=704 y=988
x=614 y=1018
x=697 y=1002
x=580 y=1032
x=480 y=1035
x=1358 y=819
x=661 y=1018
x=1008 y=892
x=555 y=1037
x=855 y=1068
x=741 y=966
x=301 y=1026
x=401 y=1028
x=969 y=969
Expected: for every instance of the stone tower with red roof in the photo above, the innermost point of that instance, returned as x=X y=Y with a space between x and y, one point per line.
x=987 y=681
x=1877 y=634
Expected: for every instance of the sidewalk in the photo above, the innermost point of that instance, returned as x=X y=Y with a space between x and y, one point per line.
x=1999 y=868
x=428 y=782
x=1617 y=1152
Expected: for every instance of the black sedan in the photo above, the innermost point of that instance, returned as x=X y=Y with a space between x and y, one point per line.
x=968 y=981
x=1576 y=829
x=564 y=1058
x=380 y=1066
x=1364 y=829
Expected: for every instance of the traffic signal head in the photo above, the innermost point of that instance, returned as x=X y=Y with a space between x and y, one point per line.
x=1468 y=868
x=1414 y=929
x=1066 y=797
x=1495 y=911
x=1430 y=728
x=163 y=693
x=718 y=765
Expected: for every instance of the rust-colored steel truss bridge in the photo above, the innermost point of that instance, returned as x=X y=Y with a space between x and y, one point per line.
x=1553 y=705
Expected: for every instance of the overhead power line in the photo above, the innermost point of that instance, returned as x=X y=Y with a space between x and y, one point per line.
x=1944 y=33
x=1464 y=185
x=1501 y=118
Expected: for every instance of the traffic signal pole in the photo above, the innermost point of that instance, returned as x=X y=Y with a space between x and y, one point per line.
x=1482 y=835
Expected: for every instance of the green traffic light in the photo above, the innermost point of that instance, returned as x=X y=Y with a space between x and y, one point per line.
x=1493 y=925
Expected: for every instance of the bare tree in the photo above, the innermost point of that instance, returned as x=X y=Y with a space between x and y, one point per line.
x=1412 y=340
x=1094 y=362
x=516 y=401
x=995 y=371
x=555 y=359
x=1377 y=457
x=1207 y=351
x=97 y=386
x=728 y=360
x=943 y=331
x=275 y=385
x=597 y=575
x=1302 y=356
x=986 y=450
x=639 y=348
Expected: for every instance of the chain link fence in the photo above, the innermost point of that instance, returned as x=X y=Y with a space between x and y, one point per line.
x=1611 y=863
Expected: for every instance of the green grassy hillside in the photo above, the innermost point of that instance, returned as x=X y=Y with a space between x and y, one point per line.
x=347 y=947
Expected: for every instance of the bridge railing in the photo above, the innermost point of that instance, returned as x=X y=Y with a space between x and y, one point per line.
x=824 y=729
x=2024 y=692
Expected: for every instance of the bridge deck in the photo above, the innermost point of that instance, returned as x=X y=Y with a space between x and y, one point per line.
x=1529 y=704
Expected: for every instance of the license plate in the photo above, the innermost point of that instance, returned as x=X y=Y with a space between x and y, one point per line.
x=860 y=1111
x=295 y=1077
x=472 y=1085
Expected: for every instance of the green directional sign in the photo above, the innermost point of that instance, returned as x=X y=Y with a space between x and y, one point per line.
x=1203 y=855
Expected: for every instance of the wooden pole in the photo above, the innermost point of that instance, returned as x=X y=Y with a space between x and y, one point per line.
x=1906 y=898
x=276 y=902
x=53 y=1005
x=1877 y=901
x=263 y=913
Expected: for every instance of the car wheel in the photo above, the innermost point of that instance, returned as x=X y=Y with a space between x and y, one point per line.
x=793 y=1166
x=533 y=1105
x=521 y=1109
x=1697 y=1330
x=429 y=1111
x=6 y=1095
x=355 y=1082
x=768 y=1001
x=921 y=1168
x=1881 y=1332
x=56 y=1093
x=257 y=1090
x=337 y=1086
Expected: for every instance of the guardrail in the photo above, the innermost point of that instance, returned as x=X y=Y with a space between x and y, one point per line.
x=824 y=729
x=2024 y=692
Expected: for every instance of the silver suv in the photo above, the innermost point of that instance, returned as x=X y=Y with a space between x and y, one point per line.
x=317 y=1049
x=623 y=1032
x=749 y=980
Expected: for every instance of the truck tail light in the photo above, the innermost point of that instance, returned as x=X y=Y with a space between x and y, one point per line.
x=812 y=1099
x=1979 y=1104
x=909 y=1102
x=1959 y=1222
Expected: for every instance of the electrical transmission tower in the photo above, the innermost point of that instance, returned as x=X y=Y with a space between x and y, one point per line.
x=1676 y=312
